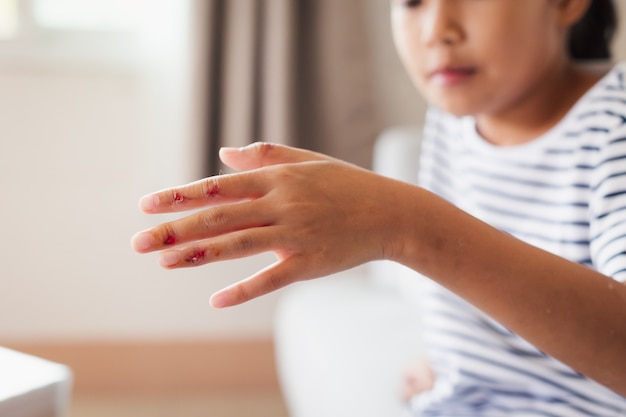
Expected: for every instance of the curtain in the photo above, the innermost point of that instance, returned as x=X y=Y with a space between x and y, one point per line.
x=297 y=72
x=250 y=73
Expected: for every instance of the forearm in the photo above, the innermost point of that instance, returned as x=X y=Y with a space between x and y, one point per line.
x=565 y=309
x=320 y=216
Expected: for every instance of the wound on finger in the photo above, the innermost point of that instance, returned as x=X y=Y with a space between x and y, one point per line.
x=196 y=257
x=210 y=187
x=177 y=198
x=168 y=235
x=213 y=191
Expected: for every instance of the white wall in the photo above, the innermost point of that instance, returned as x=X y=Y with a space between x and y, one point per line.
x=78 y=147
x=70 y=178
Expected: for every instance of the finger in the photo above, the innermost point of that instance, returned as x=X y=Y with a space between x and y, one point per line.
x=272 y=278
x=204 y=224
x=218 y=189
x=230 y=246
x=261 y=154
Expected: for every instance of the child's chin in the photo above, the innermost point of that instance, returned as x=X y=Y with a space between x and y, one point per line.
x=459 y=101
x=457 y=109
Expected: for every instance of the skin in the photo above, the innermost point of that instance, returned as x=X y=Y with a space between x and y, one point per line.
x=513 y=102
x=515 y=93
x=301 y=205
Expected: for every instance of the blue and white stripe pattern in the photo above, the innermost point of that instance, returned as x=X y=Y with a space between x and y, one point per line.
x=564 y=192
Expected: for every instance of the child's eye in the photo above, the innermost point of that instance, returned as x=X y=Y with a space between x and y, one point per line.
x=412 y=3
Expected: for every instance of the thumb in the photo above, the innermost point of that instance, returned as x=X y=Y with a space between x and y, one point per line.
x=261 y=154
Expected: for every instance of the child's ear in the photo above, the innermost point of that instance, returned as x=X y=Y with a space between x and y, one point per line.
x=570 y=11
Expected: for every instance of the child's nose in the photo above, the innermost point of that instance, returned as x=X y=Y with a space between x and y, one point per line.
x=440 y=24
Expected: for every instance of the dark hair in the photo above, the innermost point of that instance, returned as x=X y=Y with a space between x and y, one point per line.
x=590 y=37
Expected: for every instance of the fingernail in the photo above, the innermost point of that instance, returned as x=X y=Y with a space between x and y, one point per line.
x=219 y=300
x=142 y=241
x=149 y=202
x=170 y=258
x=227 y=150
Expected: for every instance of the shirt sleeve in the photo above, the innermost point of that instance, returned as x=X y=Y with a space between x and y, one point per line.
x=608 y=207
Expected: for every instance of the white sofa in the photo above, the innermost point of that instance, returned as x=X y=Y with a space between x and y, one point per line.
x=344 y=342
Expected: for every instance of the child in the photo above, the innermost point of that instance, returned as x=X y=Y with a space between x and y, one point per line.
x=520 y=222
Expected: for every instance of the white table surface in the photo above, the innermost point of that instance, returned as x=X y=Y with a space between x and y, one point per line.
x=33 y=387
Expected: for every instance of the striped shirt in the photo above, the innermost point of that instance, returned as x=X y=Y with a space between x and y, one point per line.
x=564 y=192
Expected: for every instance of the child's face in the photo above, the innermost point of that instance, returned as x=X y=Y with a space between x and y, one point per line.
x=479 y=56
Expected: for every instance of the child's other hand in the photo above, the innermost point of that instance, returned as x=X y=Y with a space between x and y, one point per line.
x=419 y=378
x=317 y=214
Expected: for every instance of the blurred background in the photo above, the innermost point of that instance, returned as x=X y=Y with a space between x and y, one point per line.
x=103 y=101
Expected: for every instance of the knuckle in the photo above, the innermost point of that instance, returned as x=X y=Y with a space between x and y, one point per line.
x=210 y=187
x=168 y=235
x=273 y=282
x=244 y=243
x=196 y=256
x=176 y=197
x=263 y=149
x=241 y=294
x=210 y=219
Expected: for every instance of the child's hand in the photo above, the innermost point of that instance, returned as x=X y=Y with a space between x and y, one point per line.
x=419 y=378
x=317 y=214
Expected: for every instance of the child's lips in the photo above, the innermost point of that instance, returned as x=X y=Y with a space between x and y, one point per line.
x=451 y=76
